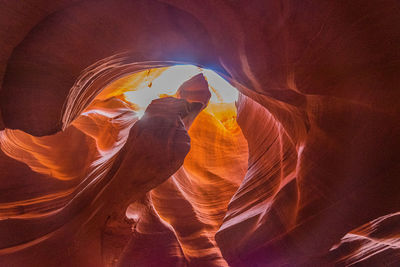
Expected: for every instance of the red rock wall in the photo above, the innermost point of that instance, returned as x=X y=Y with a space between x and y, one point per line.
x=318 y=108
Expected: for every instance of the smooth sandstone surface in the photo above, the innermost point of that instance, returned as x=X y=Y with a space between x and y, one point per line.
x=301 y=171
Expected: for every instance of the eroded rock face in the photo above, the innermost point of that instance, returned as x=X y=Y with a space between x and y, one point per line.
x=305 y=175
x=94 y=212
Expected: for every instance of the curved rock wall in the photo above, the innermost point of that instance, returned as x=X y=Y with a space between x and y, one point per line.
x=318 y=112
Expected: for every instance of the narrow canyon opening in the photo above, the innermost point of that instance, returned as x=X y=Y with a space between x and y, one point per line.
x=117 y=149
x=199 y=191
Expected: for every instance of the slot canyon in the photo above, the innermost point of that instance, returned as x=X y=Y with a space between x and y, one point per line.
x=199 y=133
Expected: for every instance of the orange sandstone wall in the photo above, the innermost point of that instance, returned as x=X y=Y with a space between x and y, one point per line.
x=315 y=179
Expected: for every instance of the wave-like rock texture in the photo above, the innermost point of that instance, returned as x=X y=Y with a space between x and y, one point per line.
x=89 y=208
x=301 y=171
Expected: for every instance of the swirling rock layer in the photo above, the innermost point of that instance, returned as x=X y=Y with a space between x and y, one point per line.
x=301 y=171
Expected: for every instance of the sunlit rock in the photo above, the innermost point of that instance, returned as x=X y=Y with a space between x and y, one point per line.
x=199 y=133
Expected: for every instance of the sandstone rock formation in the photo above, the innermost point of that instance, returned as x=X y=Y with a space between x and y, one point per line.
x=302 y=170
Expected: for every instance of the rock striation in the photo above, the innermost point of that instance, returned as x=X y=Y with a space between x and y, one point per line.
x=301 y=170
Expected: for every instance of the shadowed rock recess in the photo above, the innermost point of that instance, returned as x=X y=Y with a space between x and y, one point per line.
x=199 y=133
